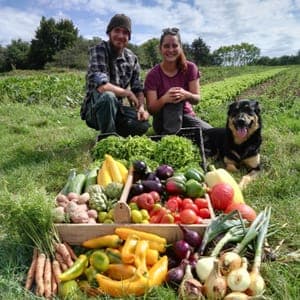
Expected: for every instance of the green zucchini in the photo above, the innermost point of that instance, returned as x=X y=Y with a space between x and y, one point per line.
x=91 y=178
x=71 y=177
x=77 y=184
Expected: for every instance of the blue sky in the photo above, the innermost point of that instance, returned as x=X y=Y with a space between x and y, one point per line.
x=271 y=25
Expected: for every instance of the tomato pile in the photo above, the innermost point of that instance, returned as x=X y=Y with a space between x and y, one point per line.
x=165 y=196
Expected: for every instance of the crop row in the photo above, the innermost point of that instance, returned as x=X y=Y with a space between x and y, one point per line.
x=54 y=89
x=68 y=88
x=220 y=92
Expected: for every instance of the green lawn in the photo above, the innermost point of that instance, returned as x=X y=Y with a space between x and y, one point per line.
x=42 y=137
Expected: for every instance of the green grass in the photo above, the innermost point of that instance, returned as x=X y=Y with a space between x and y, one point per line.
x=41 y=141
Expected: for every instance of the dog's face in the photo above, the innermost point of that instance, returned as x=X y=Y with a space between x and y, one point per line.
x=243 y=119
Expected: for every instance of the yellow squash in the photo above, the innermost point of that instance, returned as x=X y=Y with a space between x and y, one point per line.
x=220 y=175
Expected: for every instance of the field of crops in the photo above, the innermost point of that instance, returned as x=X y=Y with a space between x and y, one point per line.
x=42 y=137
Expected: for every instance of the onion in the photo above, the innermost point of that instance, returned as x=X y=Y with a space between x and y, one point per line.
x=192 y=237
x=204 y=266
x=237 y=296
x=190 y=288
x=182 y=249
x=239 y=279
x=215 y=285
x=257 y=284
x=175 y=275
x=229 y=261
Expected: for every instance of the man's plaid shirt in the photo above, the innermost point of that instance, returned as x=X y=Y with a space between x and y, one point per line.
x=123 y=71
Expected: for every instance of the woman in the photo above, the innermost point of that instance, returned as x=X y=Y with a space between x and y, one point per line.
x=172 y=87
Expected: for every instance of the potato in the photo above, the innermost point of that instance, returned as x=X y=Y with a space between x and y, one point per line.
x=83 y=198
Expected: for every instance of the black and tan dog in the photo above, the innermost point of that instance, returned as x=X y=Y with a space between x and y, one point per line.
x=238 y=144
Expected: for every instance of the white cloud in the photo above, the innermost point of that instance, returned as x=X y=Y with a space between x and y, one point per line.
x=16 y=24
x=271 y=25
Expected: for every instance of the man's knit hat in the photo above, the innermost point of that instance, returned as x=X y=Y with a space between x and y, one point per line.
x=119 y=20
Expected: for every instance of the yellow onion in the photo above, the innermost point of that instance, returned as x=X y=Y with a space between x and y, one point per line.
x=229 y=261
x=215 y=285
x=204 y=267
x=239 y=279
x=257 y=283
x=240 y=296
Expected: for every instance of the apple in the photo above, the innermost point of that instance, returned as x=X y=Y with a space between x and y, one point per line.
x=145 y=201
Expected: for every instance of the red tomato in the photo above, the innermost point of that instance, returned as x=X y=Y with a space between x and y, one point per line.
x=172 y=205
x=186 y=201
x=188 y=216
x=178 y=200
x=199 y=220
x=134 y=199
x=176 y=216
x=246 y=211
x=221 y=196
x=192 y=206
x=155 y=195
x=204 y=213
x=201 y=202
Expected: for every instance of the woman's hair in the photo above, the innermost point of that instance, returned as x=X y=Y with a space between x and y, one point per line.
x=181 y=60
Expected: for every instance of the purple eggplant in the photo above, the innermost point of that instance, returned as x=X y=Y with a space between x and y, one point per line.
x=152 y=185
x=136 y=189
x=152 y=176
x=164 y=171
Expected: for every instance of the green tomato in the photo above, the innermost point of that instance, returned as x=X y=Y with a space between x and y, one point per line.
x=136 y=216
x=102 y=216
x=99 y=260
x=68 y=289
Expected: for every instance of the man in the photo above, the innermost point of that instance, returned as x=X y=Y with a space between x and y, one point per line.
x=114 y=74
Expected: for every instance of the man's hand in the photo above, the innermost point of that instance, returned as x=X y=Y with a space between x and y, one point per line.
x=142 y=114
x=133 y=99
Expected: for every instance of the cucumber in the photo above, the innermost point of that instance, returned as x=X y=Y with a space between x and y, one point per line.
x=71 y=177
x=77 y=184
x=91 y=178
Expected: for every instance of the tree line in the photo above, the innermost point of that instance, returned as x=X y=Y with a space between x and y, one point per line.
x=57 y=44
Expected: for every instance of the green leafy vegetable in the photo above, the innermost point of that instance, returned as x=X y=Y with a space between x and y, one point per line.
x=176 y=151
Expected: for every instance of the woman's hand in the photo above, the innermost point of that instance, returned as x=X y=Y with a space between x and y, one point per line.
x=176 y=95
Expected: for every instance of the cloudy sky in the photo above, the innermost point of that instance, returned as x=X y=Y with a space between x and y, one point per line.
x=271 y=25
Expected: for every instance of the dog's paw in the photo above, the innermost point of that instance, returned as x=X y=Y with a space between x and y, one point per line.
x=245 y=181
x=231 y=168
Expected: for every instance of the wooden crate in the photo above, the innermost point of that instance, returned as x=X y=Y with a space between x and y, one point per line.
x=75 y=234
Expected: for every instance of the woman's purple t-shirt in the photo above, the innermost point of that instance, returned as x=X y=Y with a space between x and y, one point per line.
x=157 y=80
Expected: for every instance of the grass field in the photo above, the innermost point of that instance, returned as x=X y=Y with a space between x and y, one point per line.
x=42 y=137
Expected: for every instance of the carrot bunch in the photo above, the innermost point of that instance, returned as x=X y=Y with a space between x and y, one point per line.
x=43 y=273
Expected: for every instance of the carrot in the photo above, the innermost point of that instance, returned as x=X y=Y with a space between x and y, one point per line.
x=31 y=271
x=53 y=285
x=39 y=274
x=56 y=270
x=72 y=253
x=63 y=251
x=61 y=261
x=47 y=278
